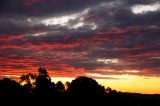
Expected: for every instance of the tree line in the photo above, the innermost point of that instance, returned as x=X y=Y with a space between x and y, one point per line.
x=33 y=85
x=41 y=85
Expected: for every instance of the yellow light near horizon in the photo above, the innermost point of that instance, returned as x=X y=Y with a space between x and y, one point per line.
x=62 y=79
x=135 y=84
x=125 y=83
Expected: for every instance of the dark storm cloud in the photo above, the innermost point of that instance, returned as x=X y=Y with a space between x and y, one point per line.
x=44 y=7
x=126 y=18
x=132 y=2
x=119 y=14
x=108 y=29
x=86 y=63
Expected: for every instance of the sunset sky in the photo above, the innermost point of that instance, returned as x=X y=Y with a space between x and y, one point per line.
x=116 y=42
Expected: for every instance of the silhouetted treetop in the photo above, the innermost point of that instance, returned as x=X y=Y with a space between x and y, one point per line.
x=43 y=84
x=42 y=71
x=85 y=86
x=28 y=79
x=60 y=87
x=67 y=85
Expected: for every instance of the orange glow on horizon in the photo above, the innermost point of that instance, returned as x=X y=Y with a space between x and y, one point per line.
x=126 y=83
x=123 y=83
x=134 y=84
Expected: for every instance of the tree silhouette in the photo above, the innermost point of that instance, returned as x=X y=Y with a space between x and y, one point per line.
x=67 y=85
x=44 y=86
x=80 y=87
x=60 y=87
x=28 y=80
x=43 y=72
x=108 y=90
x=11 y=88
x=83 y=86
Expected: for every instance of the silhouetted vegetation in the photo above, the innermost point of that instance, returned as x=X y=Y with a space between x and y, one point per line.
x=83 y=86
x=32 y=85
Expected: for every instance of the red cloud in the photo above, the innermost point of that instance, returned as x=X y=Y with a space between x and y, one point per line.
x=10 y=37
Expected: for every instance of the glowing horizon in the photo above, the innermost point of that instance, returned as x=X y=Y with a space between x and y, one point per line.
x=123 y=83
x=135 y=84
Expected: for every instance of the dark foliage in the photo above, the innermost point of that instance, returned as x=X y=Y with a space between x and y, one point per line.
x=83 y=86
x=9 y=88
x=86 y=88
